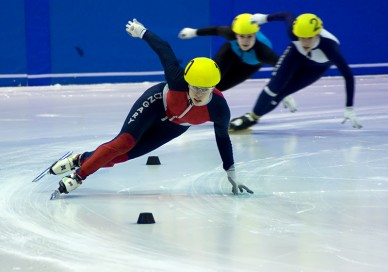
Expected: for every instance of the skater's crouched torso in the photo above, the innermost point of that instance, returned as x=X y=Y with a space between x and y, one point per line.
x=180 y=110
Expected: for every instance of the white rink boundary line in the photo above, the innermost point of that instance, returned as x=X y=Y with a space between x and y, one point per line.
x=149 y=73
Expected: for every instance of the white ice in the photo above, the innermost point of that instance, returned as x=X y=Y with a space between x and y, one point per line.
x=321 y=187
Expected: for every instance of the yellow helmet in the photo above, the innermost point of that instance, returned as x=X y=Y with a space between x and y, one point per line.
x=202 y=72
x=307 y=25
x=242 y=24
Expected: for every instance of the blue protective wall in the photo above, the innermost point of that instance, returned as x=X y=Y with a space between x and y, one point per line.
x=84 y=41
x=359 y=25
x=13 y=63
x=91 y=37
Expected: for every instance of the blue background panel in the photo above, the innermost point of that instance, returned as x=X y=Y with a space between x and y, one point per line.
x=91 y=36
x=76 y=42
x=359 y=25
x=13 y=44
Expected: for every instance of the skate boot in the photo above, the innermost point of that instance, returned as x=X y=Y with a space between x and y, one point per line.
x=69 y=183
x=290 y=103
x=65 y=165
x=243 y=122
x=66 y=185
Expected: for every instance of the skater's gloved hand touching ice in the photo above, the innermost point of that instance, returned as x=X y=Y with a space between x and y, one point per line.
x=289 y=103
x=351 y=116
x=135 y=29
x=233 y=180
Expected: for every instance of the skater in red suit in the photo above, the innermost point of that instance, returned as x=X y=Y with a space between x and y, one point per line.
x=162 y=113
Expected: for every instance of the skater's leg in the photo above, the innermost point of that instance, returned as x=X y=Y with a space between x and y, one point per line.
x=139 y=120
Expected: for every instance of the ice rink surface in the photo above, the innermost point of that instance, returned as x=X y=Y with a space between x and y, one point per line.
x=321 y=187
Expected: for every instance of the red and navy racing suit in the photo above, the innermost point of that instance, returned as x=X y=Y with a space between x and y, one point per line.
x=298 y=69
x=162 y=113
x=235 y=64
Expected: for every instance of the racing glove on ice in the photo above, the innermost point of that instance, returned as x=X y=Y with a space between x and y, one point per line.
x=233 y=180
x=351 y=116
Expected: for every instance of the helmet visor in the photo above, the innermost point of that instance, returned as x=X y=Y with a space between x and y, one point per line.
x=201 y=89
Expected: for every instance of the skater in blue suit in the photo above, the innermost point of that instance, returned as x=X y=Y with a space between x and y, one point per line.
x=245 y=52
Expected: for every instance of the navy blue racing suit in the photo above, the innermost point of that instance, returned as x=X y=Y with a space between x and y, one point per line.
x=297 y=69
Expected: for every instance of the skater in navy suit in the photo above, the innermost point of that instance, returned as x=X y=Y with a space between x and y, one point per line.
x=311 y=53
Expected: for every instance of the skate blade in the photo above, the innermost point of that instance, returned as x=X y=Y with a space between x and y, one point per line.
x=47 y=171
x=41 y=175
x=55 y=195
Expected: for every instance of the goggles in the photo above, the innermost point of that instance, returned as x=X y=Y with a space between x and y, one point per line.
x=201 y=89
